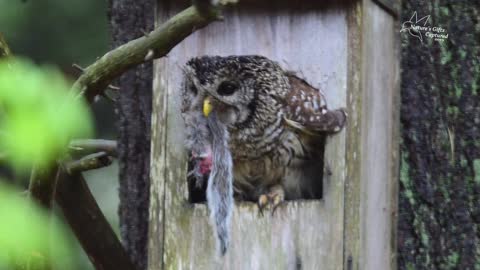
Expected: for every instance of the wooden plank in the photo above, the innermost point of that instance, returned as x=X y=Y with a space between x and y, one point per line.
x=311 y=41
x=379 y=139
x=354 y=141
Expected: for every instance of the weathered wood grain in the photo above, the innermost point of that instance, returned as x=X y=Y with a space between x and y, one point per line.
x=354 y=140
x=379 y=147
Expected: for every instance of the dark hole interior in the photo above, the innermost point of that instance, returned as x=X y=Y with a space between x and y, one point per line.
x=311 y=190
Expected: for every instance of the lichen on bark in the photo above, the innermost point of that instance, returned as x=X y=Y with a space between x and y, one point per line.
x=439 y=204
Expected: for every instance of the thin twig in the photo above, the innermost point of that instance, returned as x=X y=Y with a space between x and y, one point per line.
x=78 y=67
x=113 y=87
x=88 y=146
x=90 y=162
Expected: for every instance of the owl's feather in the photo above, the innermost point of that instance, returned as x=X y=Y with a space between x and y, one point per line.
x=307 y=109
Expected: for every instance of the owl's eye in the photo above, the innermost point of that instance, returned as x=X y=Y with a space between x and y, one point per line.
x=227 y=88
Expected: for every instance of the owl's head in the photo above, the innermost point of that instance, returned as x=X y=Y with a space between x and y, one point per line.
x=231 y=86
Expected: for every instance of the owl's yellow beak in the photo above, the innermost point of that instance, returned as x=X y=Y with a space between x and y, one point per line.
x=207 y=106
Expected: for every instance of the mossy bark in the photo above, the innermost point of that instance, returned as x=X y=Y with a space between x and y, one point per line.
x=130 y=19
x=439 y=204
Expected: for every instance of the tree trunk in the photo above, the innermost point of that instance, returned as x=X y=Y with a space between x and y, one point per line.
x=439 y=220
x=130 y=19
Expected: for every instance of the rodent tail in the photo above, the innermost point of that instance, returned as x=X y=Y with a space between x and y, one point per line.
x=220 y=184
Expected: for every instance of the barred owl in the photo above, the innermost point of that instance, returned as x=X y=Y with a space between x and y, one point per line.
x=276 y=123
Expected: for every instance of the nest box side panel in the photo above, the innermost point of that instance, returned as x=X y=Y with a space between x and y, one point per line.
x=380 y=139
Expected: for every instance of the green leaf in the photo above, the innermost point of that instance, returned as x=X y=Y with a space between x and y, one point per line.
x=38 y=115
x=26 y=232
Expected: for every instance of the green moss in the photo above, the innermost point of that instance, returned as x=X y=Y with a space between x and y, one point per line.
x=458 y=90
x=444 y=11
x=447 y=181
x=463 y=162
x=446 y=57
x=405 y=178
x=452 y=260
x=409 y=194
x=424 y=236
x=410 y=266
x=476 y=169
x=445 y=191
x=452 y=111
x=404 y=168
x=476 y=70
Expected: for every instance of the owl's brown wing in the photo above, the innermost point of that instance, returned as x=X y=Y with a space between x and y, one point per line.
x=306 y=109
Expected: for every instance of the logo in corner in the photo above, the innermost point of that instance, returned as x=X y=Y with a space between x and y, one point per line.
x=419 y=27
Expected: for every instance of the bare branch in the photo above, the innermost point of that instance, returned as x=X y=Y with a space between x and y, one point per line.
x=90 y=162
x=89 y=224
x=88 y=146
x=160 y=41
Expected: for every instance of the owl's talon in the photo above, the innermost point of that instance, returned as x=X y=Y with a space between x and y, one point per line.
x=271 y=200
x=262 y=203
x=277 y=200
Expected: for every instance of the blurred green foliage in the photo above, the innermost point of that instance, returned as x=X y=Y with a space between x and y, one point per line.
x=38 y=115
x=26 y=233
x=55 y=31
x=60 y=32
x=63 y=32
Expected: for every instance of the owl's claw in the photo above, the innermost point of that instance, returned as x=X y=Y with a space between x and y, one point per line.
x=271 y=200
x=262 y=203
x=276 y=202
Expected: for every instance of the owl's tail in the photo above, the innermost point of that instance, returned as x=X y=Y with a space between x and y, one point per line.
x=220 y=184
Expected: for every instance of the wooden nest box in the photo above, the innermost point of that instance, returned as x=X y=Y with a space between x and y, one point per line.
x=350 y=50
